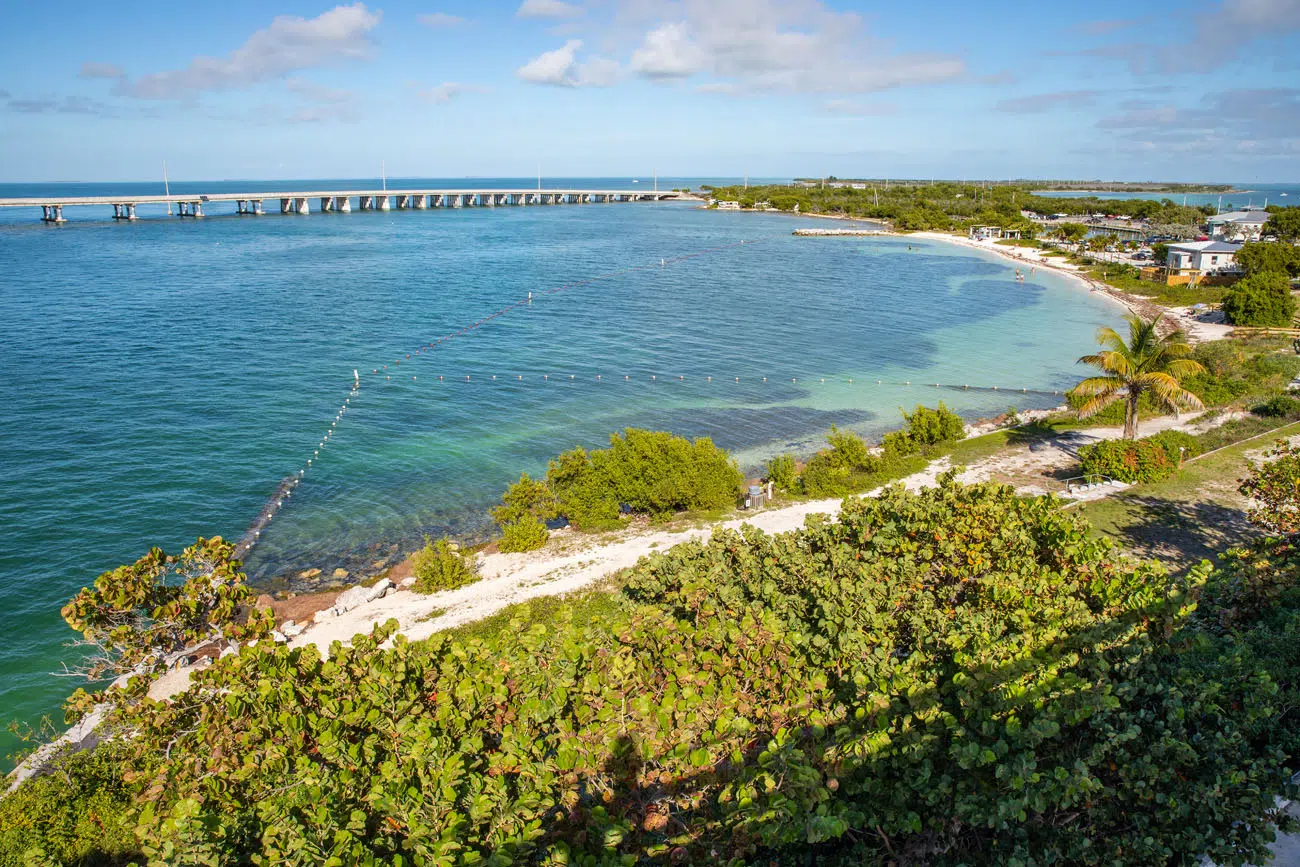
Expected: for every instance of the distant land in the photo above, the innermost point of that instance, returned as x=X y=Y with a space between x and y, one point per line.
x=1050 y=185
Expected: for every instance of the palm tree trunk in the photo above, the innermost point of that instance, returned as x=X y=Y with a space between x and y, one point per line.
x=1131 y=417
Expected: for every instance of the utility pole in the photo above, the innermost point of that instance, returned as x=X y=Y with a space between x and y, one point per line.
x=383 y=174
x=746 y=178
x=656 y=180
x=539 y=176
x=167 y=189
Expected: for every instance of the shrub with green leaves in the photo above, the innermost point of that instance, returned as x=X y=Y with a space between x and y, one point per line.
x=524 y=508
x=929 y=427
x=831 y=472
x=439 y=566
x=1262 y=299
x=1150 y=459
x=1278 y=406
x=1178 y=445
x=78 y=813
x=652 y=472
x=956 y=676
x=782 y=471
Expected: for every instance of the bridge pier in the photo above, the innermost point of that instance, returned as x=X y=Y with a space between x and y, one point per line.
x=52 y=214
x=241 y=207
x=457 y=201
x=403 y=203
x=189 y=209
x=344 y=206
x=382 y=203
x=258 y=211
x=421 y=203
x=327 y=204
x=124 y=211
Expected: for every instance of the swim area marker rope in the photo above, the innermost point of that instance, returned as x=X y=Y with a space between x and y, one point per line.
x=287 y=486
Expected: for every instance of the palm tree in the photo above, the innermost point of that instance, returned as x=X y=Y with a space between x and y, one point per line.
x=1147 y=364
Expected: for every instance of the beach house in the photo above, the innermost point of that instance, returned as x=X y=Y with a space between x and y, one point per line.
x=1238 y=225
x=991 y=233
x=1196 y=258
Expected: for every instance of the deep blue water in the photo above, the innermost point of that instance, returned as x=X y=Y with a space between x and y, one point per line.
x=164 y=376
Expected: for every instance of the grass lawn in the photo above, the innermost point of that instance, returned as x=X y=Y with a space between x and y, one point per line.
x=1186 y=518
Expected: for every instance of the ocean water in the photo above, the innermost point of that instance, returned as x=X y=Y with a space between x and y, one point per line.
x=1247 y=195
x=163 y=376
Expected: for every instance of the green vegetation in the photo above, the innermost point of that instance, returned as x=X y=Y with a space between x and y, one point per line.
x=439 y=566
x=80 y=813
x=1261 y=257
x=783 y=471
x=650 y=472
x=1279 y=406
x=137 y=618
x=1262 y=299
x=957 y=676
x=1146 y=366
x=1283 y=223
x=1146 y=460
x=845 y=466
x=948 y=205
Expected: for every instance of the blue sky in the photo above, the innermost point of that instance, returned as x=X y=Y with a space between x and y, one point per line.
x=1126 y=90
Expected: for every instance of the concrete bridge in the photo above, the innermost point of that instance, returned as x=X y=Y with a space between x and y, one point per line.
x=340 y=201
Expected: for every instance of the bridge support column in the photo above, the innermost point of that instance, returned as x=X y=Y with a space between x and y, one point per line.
x=284 y=205
x=124 y=211
x=258 y=210
x=241 y=207
x=52 y=214
x=326 y=204
x=382 y=203
x=302 y=205
x=421 y=203
x=343 y=204
x=403 y=203
x=457 y=201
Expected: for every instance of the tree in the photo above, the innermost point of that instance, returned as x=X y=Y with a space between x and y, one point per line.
x=1259 y=257
x=1146 y=365
x=139 y=618
x=1071 y=232
x=1262 y=300
x=1284 y=224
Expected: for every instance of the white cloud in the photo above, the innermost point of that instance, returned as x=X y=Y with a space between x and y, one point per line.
x=548 y=9
x=561 y=68
x=668 y=52
x=1042 y=103
x=290 y=44
x=440 y=19
x=775 y=45
x=441 y=94
x=313 y=92
x=90 y=69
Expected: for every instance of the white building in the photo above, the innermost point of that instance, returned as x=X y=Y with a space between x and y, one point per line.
x=728 y=206
x=1205 y=257
x=991 y=233
x=1238 y=225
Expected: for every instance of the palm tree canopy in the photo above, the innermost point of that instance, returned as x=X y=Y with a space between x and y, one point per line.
x=1145 y=364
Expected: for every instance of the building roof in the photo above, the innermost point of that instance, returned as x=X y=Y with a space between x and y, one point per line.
x=1260 y=217
x=1206 y=247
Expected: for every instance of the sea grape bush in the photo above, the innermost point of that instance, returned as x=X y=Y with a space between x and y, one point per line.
x=137 y=617
x=524 y=508
x=956 y=676
x=1274 y=490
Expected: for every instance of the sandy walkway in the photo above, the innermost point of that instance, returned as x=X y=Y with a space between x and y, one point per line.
x=571 y=562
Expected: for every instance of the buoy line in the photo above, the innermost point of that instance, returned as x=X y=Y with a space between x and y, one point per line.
x=290 y=483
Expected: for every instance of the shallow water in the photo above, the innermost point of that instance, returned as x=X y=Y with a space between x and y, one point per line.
x=164 y=377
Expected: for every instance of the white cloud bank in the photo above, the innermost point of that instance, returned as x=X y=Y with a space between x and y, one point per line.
x=561 y=68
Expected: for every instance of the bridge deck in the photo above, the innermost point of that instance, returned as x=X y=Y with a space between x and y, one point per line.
x=29 y=202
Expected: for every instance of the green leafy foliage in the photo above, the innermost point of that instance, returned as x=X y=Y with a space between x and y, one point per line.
x=525 y=534
x=138 y=617
x=439 y=566
x=1146 y=460
x=957 y=676
x=1283 y=223
x=831 y=472
x=79 y=813
x=1261 y=257
x=1278 y=406
x=1237 y=370
x=524 y=508
x=783 y=472
x=1274 y=490
x=1262 y=299
x=652 y=472
x=928 y=427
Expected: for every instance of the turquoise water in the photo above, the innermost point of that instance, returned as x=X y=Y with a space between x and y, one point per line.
x=164 y=376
